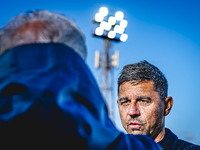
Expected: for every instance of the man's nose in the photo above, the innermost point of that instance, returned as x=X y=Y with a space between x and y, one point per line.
x=133 y=110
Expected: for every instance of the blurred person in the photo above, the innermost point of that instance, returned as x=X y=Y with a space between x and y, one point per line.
x=143 y=104
x=48 y=96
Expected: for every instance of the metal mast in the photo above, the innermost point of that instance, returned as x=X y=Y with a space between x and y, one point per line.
x=106 y=77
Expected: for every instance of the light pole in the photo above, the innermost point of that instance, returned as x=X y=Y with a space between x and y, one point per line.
x=110 y=28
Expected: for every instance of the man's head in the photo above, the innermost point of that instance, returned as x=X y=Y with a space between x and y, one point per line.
x=143 y=102
x=42 y=27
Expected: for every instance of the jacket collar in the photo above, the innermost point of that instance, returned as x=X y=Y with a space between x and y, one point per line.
x=39 y=63
x=169 y=141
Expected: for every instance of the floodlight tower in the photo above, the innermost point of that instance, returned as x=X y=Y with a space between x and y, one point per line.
x=110 y=28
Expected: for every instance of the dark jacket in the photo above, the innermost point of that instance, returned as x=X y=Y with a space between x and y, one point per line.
x=49 y=98
x=171 y=142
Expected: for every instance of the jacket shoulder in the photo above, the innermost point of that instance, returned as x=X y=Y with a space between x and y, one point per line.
x=183 y=145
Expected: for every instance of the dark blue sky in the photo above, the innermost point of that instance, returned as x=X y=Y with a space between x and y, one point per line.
x=165 y=33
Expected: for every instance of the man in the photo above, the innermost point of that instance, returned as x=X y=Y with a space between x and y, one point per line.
x=48 y=97
x=143 y=104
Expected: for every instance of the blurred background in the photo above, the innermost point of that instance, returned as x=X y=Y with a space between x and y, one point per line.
x=165 y=33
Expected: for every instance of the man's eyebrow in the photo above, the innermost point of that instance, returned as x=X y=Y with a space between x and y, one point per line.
x=143 y=97
x=123 y=98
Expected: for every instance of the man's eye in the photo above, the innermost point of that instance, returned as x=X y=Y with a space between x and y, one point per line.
x=125 y=102
x=144 y=101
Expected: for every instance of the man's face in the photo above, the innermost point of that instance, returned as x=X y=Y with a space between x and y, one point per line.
x=141 y=109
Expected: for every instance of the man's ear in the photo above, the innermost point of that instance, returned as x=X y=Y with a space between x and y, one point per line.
x=168 y=105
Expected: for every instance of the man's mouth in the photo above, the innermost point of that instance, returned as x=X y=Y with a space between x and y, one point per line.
x=135 y=125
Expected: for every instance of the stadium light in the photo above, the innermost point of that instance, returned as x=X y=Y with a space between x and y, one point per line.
x=103 y=11
x=119 y=29
x=111 y=34
x=111 y=27
x=123 y=23
x=105 y=25
x=112 y=20
x=123 y=37
x=99 y=17
x=99 y=31
x=119 y=15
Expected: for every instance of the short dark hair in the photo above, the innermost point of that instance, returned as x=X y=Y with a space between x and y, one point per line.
x=144 y=71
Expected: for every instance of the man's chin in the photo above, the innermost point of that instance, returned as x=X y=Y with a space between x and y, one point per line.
x=135 y=132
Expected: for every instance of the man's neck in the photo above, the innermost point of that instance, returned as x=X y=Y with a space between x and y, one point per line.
x=160 y=136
